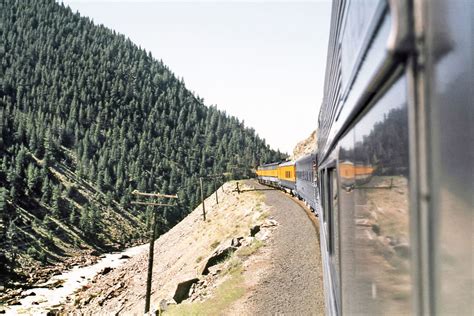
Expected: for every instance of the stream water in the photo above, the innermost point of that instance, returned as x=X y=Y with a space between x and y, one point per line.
x=44 y=299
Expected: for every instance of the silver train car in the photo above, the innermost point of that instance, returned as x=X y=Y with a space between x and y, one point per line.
x=306 y=183
x=395 y=158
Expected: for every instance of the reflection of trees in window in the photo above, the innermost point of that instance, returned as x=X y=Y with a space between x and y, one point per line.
x=381 y=208
x=386 y=147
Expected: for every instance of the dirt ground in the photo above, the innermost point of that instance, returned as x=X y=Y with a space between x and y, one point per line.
x=285 y=278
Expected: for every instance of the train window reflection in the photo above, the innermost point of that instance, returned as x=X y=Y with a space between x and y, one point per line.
x=381 y=218
x=334 y=229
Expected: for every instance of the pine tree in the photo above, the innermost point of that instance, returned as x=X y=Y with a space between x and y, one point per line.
x=46 y=191
x=84 y=219
x=32 y=179
x=55 y=201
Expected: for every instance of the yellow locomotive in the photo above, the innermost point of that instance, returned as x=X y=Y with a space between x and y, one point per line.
x=279 y=175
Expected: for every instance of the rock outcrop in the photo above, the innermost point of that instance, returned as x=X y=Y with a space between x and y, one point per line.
x=305 y=146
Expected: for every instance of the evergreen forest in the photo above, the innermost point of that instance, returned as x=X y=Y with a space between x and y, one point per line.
x=86 y=117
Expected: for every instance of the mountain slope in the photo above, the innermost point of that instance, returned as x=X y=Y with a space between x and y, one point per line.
x=86 y=117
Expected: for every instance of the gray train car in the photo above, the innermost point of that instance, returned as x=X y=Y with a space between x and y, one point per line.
x=395 y=162
x=306 y=185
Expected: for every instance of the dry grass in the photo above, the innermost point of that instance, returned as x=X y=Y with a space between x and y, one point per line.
x=215 y=244
x=228 y=292
x=250 y=249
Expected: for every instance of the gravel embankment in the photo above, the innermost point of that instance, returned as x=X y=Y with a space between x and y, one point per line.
x=292 y=284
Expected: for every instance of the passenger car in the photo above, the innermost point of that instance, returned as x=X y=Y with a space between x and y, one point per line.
x=394 y=146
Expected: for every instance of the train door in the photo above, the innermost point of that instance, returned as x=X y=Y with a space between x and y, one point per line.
x=332 y=206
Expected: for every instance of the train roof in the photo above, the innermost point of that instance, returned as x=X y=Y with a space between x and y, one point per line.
x=269 y=164
x=288 y=163
x=307 y=157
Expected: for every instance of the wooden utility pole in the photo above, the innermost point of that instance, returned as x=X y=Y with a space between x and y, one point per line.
x=214 y=177
x=202 y=200
x=151 y=254
x=152 y=234
x=217 y=198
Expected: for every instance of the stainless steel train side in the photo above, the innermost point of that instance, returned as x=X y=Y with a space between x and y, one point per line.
x=395 y=154
x=306 y=185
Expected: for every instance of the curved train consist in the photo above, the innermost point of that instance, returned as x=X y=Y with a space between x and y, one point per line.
x=296 y=177
x=394 y=181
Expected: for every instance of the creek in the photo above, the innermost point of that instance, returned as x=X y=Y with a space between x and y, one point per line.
x=40 y=300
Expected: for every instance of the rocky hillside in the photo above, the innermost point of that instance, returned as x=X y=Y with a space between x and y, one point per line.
x=305 y=146
x=196 y=261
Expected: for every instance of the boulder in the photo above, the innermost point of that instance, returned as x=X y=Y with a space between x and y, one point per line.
x=254 y=230
x=105 y=270
x=182 y=290
x=26 y=293
x=214 y=270
x=219 y=255
x=270 y=223
x=124 y=257
x=165 y=303
x=263 y=234
x=236 y=242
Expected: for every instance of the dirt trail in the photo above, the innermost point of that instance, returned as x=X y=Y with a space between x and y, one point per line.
x=286 y=276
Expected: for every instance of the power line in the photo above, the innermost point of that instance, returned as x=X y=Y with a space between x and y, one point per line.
x=152 y=238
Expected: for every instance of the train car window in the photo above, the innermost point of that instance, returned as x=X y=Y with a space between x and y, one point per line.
x=322 y=193
x=330 y=194
x=335 y=216
x=334 y=229
x=326 y=194
x=348 y=264
x=328 y=207
x=315 y=171
x=381 y=213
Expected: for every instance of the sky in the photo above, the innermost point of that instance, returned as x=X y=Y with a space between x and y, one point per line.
x=263 y=62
